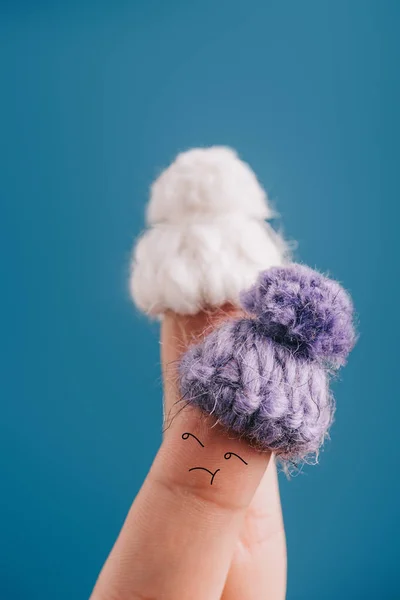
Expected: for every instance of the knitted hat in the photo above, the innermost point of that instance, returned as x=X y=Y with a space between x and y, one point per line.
x=207 y=238
x=266 y=376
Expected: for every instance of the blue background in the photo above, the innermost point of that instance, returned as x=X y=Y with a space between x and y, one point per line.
x=95 y=98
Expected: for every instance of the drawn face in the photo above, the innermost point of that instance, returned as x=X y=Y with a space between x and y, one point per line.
x=227 y=456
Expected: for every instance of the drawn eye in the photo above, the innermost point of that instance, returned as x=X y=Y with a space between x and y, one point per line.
x=185 y=436
x=229 y=455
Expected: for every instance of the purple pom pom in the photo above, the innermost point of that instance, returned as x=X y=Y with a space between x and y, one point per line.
x=303 y=311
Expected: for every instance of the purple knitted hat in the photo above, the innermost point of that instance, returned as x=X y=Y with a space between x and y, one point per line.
x=267 y=377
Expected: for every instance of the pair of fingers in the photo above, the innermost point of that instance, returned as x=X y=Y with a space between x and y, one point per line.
x=207 y=522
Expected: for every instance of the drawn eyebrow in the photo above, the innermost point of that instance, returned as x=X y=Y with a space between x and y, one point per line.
x=229 y=455
x=185 y=436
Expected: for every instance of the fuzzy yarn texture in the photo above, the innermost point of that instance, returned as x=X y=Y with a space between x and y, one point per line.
x=266 y=377
x=207 y=238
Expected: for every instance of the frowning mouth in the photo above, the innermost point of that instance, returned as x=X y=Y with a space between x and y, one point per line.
x=208 y=471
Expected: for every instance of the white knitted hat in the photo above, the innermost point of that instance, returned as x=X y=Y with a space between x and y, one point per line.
x=207 y=237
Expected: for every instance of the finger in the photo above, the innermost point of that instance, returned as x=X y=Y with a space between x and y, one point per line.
x=258 y=568
x=180 y=534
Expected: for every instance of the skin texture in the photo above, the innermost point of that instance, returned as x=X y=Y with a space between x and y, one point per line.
x=183 y=537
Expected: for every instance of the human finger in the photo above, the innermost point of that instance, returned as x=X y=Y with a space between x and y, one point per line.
x=258 y=567
x=180 y=534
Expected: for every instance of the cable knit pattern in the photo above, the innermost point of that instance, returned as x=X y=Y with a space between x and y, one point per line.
x=258 y=383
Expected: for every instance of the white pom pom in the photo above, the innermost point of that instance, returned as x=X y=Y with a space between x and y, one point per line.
x=208 y=239
x=206 y=181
